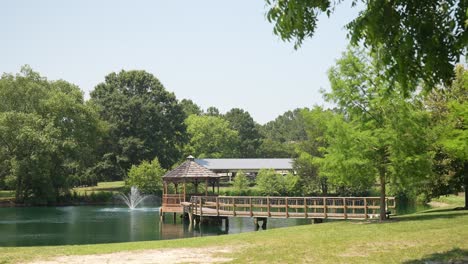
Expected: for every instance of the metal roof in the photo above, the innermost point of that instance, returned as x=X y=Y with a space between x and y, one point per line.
x=246 y=164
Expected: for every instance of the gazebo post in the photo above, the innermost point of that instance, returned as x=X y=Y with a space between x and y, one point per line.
x=176 y=185
x=206 y=186
x=184 y=191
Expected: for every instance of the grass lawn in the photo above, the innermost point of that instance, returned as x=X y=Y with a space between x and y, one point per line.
x=438 y=234
x=115 y=186
x=7 y=194
x=452 y=200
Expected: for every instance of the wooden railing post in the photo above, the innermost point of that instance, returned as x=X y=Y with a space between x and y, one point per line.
x=286 y=206
x=201 y=206
x=217 y=206
x=325 y=207
x=305 y=207
x=250 y=201
x=344 y=209
x=268 y=206
x=234 y=206
x=365 y=208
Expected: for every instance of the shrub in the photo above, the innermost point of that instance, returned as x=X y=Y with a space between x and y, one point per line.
x=147 y=177
x=271 y=183
x=241 y=183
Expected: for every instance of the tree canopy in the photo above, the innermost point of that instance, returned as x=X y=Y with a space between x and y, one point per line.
x=146 y=121
x=416 y=40
x=249 y=136
x=378 y=135
x=147 y=176
x=211 y=137
x=47 y=136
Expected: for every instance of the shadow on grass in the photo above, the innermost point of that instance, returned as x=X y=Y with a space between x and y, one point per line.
x=434 y=214
x=455 y=255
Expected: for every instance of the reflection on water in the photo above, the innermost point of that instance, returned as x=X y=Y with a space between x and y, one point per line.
x=92 y=224
x=409 y=207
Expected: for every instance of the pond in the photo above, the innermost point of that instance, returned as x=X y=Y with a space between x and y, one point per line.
x=36 y=226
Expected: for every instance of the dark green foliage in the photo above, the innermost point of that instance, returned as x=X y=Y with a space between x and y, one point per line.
x=47 y=137
x=249 y=136
x=190 y=108
x=145 y=120
x=288 y=127
x=212 y=111
x=281 y=135
x=274 y=149
x=414 y=39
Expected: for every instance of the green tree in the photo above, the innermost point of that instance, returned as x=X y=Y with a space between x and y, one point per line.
x=273 y=149
x=47 y=136
x=445 y=105
x=449 y=109
x=147 y=176
x=288 y=127
x=274 y=184
x=281 y=136
x=241 y=183
x=380 y=134
x=145 y=120
x=415 y=39
x=305 y=164
x=211 y=137
x=190 y=108
x=249 y=136
x=290 y=184
x=267 y=182
x=212 y=111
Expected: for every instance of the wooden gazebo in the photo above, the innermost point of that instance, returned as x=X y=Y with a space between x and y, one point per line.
x=188 y=172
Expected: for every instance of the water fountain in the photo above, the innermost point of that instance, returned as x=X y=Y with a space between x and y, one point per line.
x=133 y=198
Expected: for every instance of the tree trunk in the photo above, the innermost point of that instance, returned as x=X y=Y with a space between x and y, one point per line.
x=465 y=172
x=383 y=210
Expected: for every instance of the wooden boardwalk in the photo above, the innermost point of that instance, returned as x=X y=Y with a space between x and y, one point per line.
x=359 y=208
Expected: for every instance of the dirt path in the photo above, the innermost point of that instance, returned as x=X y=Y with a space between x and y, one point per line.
x=180 y=255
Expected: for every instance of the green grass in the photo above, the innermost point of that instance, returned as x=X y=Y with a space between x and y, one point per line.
x=115 y=186
x=451 y=200
x=7 y=194
x=432 y=235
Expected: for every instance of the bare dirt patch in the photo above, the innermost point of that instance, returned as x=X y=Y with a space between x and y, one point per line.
x=180 y=255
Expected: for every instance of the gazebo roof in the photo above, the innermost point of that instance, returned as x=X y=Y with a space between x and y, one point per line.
x=190 y=170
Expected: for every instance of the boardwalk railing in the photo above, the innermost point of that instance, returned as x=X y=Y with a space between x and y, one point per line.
x=172 y=203
x=288 y=207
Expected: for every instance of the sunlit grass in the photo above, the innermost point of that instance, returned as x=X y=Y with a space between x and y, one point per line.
x=115 y=186
x=452 y=200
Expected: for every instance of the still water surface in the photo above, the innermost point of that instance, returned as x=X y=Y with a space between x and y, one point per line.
x=35 y=226
x=93 y=224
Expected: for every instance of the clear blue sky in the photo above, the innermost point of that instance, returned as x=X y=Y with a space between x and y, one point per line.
x=217 y=53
